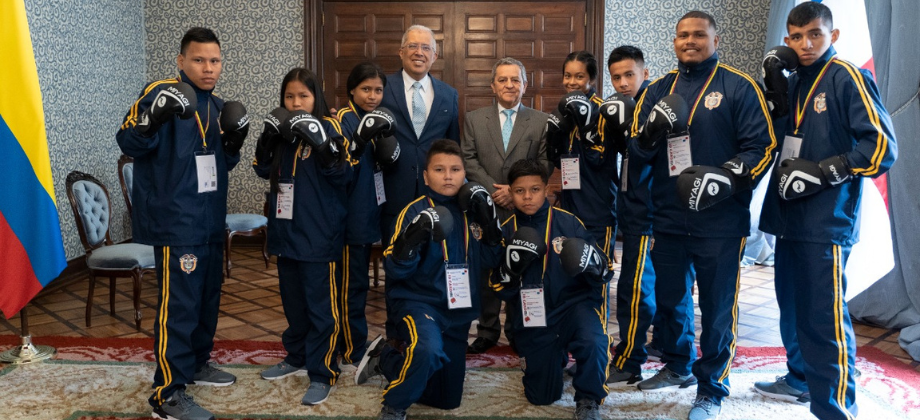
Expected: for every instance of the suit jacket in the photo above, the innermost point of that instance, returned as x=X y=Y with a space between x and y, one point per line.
x=403 y=180
x=487 y=162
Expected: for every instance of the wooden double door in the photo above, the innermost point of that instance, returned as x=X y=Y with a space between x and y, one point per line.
x=471 y=36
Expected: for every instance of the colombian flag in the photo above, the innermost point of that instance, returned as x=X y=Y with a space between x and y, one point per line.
x=31 y=248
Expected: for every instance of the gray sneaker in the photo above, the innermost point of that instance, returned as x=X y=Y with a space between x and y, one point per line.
x=390 y=413
x=620 y=378
x=209 y=374
x=781 y=390
x=665 y=379
x=654 y=355
x=317 y=393
x=181 y=406
x=368 y=367
x=586 y=409
x=282 y=370
x=705 y=408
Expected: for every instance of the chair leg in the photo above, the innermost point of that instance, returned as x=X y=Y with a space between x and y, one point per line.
x=112 y=296
x=89 y=300
x=265 y=246
x=137 y=298
x=227 y=251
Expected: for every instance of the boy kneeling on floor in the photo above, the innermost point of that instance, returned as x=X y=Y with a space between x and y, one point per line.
x=561 y=294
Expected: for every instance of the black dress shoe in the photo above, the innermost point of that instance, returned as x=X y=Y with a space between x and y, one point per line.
x=480 y=345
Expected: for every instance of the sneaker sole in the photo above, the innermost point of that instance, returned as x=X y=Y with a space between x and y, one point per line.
x=217 y=384
x=366 y=358
x=298 y=372
x=782 y=397
x=164 y=416
x=669 y=388
x=623 y=384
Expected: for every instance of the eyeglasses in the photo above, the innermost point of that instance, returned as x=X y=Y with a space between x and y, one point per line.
x=427 y=49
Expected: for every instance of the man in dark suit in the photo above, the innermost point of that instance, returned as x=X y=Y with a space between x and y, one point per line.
x=494 y=137
x=426 y=110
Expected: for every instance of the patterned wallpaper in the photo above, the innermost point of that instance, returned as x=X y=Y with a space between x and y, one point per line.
x=650 y=25
x=90 y=60
x=260 y=40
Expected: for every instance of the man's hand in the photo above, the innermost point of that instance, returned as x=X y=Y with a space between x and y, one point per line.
x=502 y=196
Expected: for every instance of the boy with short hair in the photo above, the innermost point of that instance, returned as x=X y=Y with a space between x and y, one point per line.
x=837 y=132
x=439 y=239
x=555 y=275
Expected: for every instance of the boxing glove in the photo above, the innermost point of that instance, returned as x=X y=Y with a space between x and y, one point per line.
x=234 y=122
x=800 y=178
x=557 y=135
x=271 y=134
x=580 y=112
x=174 y=99
x=777 y=60
x=386 y=151
x=578 y=256
x=431 y=224
x=376 y=124
x=476 y=201
x=301 y=126
x=525 y=247
x=700 y=187
x=669 y=116
x=617 y=112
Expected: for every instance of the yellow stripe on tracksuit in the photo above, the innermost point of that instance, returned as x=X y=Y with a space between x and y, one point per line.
x=330 y=354
x=881 y=144
x=768 y=153
x=410 y=352
x=346 y=327
x=163 y=314
x=602 y=315
x=634 y=304
x=840 y=334
x=398 y=229
x=733 y=346
x=131 y=120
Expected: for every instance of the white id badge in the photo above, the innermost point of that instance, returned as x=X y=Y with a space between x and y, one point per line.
x=207 y=172
x=679 y=157
x=533 y=308
x=571 y=173
x=378 y=188
x=792 y=146
x=624 y=173
x=458 y=286
x=285 y=204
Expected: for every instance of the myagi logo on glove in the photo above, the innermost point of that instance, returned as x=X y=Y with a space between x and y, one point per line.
x=711 y=183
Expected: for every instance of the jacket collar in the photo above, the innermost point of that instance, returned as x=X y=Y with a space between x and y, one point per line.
x=699 y=69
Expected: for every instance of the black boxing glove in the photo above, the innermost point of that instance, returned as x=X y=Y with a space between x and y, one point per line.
x=557 y=135
x=271 y=134
x=234 y=122
x=431 y=224
x=578 y=256
x=175 y=99
x=669 y=116
x=476 y=201
x=617 y=112
x=700 y=187
x=774 y=79
x=525 y=247
x=581 y=113
x=800 y=178
x=386 y=151
x=376 y=124
x=301 y=126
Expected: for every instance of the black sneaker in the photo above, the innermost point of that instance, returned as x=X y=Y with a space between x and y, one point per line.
x=620 y=378
x=368 y=368
x=181 y=406
x=480 y=346
x=390 y=413
x=664 y=379
x=586 y=409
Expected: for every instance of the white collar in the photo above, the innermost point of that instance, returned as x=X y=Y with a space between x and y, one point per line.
x=408 y=81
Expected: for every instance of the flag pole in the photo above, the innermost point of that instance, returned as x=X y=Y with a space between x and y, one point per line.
x=26 y=352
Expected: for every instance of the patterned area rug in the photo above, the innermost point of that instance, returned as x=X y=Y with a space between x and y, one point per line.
x=110 y=379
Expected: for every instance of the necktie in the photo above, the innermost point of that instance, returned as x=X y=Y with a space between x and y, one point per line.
x=418 y=109
x=506 y=128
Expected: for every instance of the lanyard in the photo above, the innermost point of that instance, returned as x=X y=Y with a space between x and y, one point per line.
x=204 y=129
x=799 y=110
x=466 y=238
x=700 y=96
x=549 y=246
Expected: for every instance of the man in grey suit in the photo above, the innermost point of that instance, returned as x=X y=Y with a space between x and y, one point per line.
x=494 y=138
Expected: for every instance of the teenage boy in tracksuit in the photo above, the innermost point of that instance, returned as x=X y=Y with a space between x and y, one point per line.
x=836 y=133
x=555 y=275
x=435 y=248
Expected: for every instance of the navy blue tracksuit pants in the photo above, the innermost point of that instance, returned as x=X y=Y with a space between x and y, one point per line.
x=815 y=325
x=430 y=370
x=307 y=292
x=188 y=280
x=635 y=303
x=717 y=264
x=353 y=285
x=582 y=331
